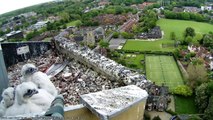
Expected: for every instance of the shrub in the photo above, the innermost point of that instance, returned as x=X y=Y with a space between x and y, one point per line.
x=183 y=90
x=192 y=54
x=115 y=34
x=210 y=88
x=209 y=110
x=127 y=35
x=202 y=97
x=132 y=65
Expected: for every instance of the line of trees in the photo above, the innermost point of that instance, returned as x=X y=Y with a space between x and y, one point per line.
x=186 y=16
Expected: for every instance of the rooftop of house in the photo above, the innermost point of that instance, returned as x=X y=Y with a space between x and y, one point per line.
x=191 y=9
x=41 y=23
x=144 y=4
x=13 y=33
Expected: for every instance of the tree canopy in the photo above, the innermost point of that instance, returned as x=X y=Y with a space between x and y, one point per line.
x=189 y=31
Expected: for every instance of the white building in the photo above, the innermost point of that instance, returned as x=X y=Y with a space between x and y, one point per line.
x=2 y=40
x=40 y=24
x=206 y=7
x=211 y=65
x=29 y=14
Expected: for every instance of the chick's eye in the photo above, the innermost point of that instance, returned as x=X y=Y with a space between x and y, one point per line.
x=29 y=91
x=31 y=69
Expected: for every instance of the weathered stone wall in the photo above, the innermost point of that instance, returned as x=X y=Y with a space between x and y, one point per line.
x=3 y=74
x=101 y=64
x=71 y=55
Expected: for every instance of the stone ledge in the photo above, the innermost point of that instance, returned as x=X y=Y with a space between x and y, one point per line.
x=109 y=103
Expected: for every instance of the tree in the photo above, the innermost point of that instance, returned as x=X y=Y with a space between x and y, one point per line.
x=189 y=31
x=197 y=38
x=210 y=88
x=110 y=11
x=197 y=61
x=208 y=40
x=64 y=26
x=103 y=46
x=170 y=15
x=177 y=53
x=172 y=36
x=184 y=16
x=197 y=75
x=51 y=26
x=148 y=20
x=32 y=34
x=188 y=40
x=17 y=28
x=127 y=35
x=209 y=110
x=201 y=97
x=8 y=30
x=65 y=16
x=118 y=10
x=1 y=33
x=115 y=34
x=135 y=29
x=199 y=18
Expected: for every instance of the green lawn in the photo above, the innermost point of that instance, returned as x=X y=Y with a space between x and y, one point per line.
x=168 y=26
x=148 y=45
x=178 y=26
x=72 y=23
x=163 y=69
x=185 y=105
x=134 y=59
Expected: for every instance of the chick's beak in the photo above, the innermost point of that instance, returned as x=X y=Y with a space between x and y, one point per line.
x=35 y=91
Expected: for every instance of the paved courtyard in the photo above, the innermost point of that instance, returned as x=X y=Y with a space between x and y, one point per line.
x=116 y=43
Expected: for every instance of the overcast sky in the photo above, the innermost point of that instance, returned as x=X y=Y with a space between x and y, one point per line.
x=10 y=5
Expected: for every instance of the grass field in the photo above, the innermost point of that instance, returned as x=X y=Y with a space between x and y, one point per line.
x=72 y=23
x=168 y=26
x=163 y=69
x=148 y=45
x=185 y=105
x=178 y=26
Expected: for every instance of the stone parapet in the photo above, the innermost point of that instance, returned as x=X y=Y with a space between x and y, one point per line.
x=99 y=63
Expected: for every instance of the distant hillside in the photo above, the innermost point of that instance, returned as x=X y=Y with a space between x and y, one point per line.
x=45 y=8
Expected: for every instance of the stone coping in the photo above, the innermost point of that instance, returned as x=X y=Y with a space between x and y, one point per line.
x=109 y=103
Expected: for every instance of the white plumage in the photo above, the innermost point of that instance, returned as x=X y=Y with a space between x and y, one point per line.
x=2 y=108
x=43 y=99
x=8 y=96
x=29 y=73
x=23 y=104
